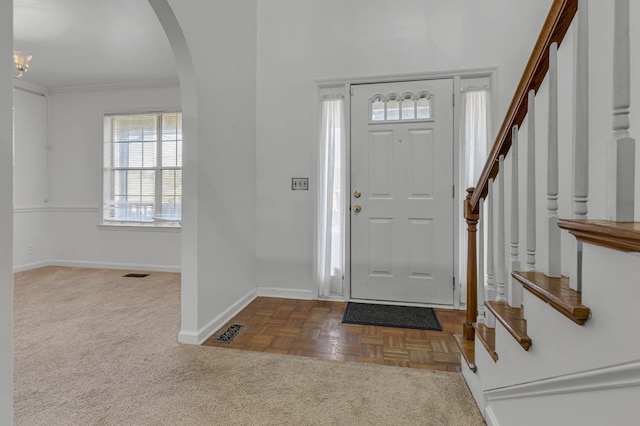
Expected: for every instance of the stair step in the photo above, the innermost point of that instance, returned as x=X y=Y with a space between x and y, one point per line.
x=624 y=236
x=557 y=293
x=468 y=350
x=513 y=320
x=487 y=337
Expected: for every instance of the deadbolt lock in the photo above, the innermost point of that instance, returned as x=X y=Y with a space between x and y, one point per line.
x=357 y=194
x=357 y=208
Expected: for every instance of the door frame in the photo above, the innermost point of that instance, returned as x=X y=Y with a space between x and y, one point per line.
x=459 y=297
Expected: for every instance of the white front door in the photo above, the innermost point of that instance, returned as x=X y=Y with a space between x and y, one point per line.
x=402 y=192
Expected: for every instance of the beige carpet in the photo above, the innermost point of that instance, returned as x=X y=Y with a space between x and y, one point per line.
x=93 y=348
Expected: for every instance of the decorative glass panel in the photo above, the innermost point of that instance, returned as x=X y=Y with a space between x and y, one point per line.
x=423 y=106
x=377 y=109
x=393 y=108
x=408 y=107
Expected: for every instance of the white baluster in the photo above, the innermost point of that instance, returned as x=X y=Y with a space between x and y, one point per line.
x=480 y=251
x=553 y=232
x=531 y=181
x=621 y=150
x=516 y=295
x=580 y=137
x=491 y=287
x=501 y=291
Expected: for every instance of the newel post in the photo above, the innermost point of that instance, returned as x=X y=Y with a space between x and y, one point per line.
x=472 y=267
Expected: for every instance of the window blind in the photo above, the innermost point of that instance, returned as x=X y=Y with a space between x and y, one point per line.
x=142 y=167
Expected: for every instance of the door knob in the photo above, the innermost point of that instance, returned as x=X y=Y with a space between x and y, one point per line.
x=357 y=194
x=357 y=208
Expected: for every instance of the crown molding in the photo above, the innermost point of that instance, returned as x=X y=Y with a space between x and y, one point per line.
x=115 y=86
x=25 y=86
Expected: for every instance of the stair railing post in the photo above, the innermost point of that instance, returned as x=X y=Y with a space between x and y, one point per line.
x=472 y=286
x=621 y=152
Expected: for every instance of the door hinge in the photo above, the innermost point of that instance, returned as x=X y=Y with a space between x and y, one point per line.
x=453 y=99
x=453 y=191
x=453 y=286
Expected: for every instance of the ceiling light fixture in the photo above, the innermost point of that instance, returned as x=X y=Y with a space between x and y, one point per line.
x=22 y=62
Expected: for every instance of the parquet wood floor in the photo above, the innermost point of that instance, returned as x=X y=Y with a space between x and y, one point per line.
x=314 y=328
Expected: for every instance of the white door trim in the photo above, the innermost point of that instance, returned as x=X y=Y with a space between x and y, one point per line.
x=345 y=84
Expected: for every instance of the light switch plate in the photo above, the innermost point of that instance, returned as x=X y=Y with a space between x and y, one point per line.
x=300 y=184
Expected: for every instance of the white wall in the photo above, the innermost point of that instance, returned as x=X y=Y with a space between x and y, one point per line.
x=300 y=41
x=6 y=213
x=75 y=137
x=32 y=227
x=217 y=48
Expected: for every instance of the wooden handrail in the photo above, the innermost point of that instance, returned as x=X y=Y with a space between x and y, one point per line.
x=555 y=27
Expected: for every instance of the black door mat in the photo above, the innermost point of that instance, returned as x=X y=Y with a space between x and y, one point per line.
x=391 y=316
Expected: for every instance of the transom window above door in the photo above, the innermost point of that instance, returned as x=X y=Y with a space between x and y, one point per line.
x=405 y=107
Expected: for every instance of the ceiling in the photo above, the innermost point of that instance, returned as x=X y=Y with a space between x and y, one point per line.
x=82 y=43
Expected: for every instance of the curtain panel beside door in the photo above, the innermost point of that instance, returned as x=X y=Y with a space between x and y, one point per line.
x=331 y=212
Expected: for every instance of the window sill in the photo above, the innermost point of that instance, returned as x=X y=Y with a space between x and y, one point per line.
x=144 y=227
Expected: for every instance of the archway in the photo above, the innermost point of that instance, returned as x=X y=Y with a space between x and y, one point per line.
x=189 y=95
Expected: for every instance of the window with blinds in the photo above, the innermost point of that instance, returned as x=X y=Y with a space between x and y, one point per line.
x=143 y=167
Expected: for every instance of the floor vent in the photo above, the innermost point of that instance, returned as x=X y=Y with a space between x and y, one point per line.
x=136 y=275
x=229 y=334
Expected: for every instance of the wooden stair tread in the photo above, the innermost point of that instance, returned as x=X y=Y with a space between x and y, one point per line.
x=487 y=337
x=623 y=236
x=468 y=350
x=513 y=320
x=557 y=293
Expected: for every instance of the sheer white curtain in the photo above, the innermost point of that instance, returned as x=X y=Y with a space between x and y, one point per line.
x=474 y=132
x=331 y=202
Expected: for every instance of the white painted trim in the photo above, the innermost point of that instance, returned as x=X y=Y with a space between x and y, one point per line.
x=199 y=337
x=490 y=417
x=111 y=265
x=30 y=87
x=30 y=209
x=54 y=208
x=420 y=305
x=610 y=377
x=392 y=78
x=346 y=283
x=285 y=293
x=120 y=86
x=139 y=227
x=30 y=266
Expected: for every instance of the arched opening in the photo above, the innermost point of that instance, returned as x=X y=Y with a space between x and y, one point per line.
x=189 y=95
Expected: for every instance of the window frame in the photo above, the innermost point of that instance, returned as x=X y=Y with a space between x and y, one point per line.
x=115 y=224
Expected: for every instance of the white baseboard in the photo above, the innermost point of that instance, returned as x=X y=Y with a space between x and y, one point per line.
x=490 y=417
x=199 y=337
x=113 y=265
x=30 y=266
x=286 y=293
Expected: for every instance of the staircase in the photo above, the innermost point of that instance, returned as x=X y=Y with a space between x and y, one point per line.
x=550 y=331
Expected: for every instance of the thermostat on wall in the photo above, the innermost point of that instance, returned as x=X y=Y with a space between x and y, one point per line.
x=300 y=184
